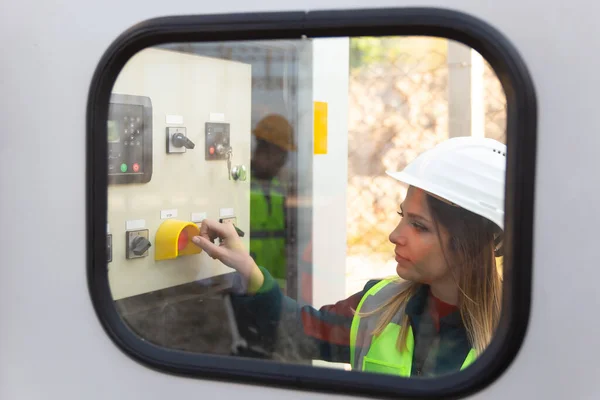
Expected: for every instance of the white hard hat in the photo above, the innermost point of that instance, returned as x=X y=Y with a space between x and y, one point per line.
x=466 y=171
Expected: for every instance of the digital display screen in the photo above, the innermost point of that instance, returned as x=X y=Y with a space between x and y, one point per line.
x=113 y=133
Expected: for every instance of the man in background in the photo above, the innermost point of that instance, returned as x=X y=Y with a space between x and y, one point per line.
x=274 y=139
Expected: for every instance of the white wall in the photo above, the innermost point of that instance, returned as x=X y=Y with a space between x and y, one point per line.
x=465 y=91
x=51 y=342
x=330 y=172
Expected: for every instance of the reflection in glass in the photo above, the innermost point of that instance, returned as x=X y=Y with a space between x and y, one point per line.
x=368 y=233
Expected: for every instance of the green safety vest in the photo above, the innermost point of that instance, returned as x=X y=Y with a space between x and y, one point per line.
x=267 y=228
x=379 y=353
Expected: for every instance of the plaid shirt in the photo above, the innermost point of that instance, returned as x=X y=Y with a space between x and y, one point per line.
x=270 y=320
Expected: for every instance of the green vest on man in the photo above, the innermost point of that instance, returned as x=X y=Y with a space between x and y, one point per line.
x=274 y=140
x=267 y=227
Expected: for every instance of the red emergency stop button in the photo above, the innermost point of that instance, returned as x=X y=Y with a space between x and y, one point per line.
x=182 y=241
x=136 y=167
x=211 y=150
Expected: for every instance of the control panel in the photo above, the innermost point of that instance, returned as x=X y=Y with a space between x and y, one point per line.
x=168 y=108
x=217 y=141
x=129 y=134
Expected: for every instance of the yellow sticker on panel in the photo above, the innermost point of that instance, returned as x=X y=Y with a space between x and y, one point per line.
x=320 y=128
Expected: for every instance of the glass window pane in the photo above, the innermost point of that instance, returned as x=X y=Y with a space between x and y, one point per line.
x=329 y=202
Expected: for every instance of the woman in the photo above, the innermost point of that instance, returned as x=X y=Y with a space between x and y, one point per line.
x=439 y=313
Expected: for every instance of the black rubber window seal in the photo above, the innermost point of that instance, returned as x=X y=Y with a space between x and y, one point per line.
x=520 y=182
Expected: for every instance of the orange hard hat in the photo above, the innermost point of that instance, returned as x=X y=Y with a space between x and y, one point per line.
x=277 y=130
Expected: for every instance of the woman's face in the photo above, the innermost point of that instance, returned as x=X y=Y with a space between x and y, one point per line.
x=418 y=249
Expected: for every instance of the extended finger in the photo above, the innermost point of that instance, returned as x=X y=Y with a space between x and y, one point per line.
x=209 y=247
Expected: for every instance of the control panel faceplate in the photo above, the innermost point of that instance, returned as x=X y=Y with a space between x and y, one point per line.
x=129 y=135
x=217 y=140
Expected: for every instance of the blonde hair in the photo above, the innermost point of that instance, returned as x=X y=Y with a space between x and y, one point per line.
x=472 y=263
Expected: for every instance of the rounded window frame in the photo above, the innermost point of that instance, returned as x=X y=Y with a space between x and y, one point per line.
x=521 y=137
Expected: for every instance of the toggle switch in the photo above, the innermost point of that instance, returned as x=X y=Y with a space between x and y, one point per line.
x=180 y=140
x=140 y=245
x=177 y=140
x=137 y=243
x=233 y=221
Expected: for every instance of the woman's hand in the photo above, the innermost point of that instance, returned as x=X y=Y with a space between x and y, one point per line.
x=230 y=251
